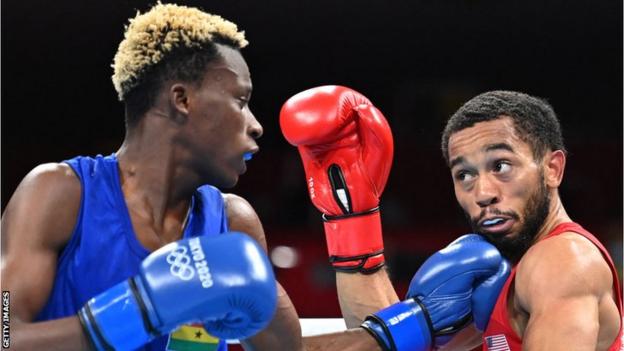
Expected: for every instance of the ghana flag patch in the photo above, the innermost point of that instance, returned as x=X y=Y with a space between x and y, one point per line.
x=192 y=338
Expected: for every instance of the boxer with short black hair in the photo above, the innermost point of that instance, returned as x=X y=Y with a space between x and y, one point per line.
x=506 y=155
x=125 y=251
x=536 y=124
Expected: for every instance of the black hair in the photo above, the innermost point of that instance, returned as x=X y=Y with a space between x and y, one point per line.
x=534 y=119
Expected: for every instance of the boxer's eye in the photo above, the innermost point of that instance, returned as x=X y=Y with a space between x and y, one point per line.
x=464 y=176
x=502 y=167
x=243 y=101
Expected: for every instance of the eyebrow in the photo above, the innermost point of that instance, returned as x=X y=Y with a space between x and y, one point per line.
x=454 y=162
x=498 y=146
x=491 y=147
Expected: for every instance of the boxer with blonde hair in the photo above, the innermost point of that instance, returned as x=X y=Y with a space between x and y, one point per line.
x=125 y=251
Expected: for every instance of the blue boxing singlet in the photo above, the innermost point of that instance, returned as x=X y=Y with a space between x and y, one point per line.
x=103 y=249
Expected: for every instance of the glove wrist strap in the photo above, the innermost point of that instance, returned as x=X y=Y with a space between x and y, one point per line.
x=355 y=242
x=102 y=314
x=401 y=327
x=327 y=218
x=92 y=331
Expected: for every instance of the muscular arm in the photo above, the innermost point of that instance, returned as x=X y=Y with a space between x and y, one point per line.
x=36 y=224
x=284 y=331
x=356 y=339
x=361 y=294
x=565 y=286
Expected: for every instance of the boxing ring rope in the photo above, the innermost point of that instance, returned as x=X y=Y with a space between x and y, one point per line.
x=316 y=326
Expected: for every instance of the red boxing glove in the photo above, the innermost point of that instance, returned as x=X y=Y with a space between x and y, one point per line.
x=346 y=148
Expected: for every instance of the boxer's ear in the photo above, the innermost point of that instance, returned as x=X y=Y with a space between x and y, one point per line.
x=179 y=100
x=178 y=93
x=554 y=166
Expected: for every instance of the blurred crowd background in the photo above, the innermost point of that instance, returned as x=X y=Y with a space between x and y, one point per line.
x=418 y=61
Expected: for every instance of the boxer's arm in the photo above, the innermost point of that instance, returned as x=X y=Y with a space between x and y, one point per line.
x=36 y=224
x=284 y=331
x=561 y=283
x=363 y=294
x=356 y=339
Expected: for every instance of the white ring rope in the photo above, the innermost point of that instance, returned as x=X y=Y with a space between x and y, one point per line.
x=316 y=326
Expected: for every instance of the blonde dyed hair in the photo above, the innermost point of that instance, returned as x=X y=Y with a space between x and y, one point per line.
x=151 y=36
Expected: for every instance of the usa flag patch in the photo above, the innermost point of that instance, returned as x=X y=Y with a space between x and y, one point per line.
x=497 y=343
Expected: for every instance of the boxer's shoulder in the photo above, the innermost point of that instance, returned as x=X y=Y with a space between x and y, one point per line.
x=566 y=265
x=243 y=218
x=45 y=205
x=238 y=209
x=57 y=174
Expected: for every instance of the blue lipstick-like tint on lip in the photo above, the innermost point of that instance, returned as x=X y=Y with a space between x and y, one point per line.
x=247 y=156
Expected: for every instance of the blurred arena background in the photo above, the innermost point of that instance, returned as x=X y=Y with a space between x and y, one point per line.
x=418 y=61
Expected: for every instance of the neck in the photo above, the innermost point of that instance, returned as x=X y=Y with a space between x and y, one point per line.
x=556 y=215
x=154 y=176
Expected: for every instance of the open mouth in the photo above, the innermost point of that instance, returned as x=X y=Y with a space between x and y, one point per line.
x=249 y=154
x=496 y=225
x=492 y=221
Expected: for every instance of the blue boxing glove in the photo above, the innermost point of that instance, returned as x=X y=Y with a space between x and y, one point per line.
x=485 y=295
x=225 y=282
x=457 y=281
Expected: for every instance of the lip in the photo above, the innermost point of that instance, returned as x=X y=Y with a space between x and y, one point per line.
x=251 y=151
x=243 y=163
x=502 y=227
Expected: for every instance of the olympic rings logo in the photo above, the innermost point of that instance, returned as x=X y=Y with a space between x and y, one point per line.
x=180 y=263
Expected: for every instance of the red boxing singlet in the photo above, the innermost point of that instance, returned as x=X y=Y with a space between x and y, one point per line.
x=499 y=336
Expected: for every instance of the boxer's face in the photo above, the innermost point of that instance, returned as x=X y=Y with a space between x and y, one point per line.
x=222 y=128
x=499 y=185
